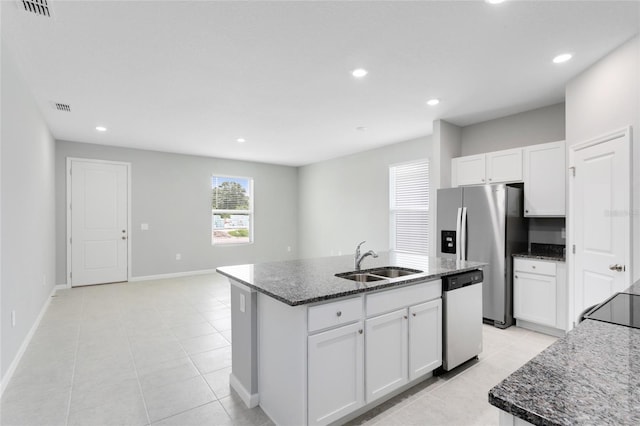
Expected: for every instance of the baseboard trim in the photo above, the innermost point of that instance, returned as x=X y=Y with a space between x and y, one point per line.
x=250 y=400
x=25 y=343
x=552 y=331
x=61 y=287
x=172 y=275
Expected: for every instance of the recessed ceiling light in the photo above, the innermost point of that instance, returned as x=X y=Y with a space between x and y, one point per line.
x=359 y=73
x=562 y=58
x=494 y=1
x=361 y=128
x=241 y=140
x=101 y=128
x=433 y=102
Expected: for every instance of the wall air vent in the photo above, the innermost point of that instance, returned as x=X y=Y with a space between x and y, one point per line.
x=62 y=107
x=37 y=7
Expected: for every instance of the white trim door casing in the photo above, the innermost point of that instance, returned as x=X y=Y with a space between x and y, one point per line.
x=98 y=244
x=600 y=218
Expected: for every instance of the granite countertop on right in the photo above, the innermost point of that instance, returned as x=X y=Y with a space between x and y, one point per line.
x=591 y=376
x=555 y=252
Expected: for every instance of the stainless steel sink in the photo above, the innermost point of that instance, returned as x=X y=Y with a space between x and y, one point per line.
x=361 y=278
x=378 y=274
x=392 y=272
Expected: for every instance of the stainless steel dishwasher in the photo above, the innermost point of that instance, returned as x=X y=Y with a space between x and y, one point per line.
x=462 y=325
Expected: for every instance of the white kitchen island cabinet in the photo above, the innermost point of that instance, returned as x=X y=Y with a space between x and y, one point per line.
x=328 y=348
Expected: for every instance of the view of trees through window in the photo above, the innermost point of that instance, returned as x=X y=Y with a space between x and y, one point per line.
x=231 y=210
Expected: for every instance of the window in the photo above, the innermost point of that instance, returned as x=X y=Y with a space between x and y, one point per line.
x=231 y=210
x=409 y=207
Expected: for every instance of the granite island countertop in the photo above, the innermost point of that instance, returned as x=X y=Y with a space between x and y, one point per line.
x=554 y=252
x=591 y=376
x=304 y=281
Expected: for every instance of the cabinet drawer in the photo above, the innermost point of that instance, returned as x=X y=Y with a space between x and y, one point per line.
x=390 y=300
x=335 y=313
x=534 y=266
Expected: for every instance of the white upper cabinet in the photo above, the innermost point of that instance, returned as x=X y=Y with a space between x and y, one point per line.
x=544 y=179
x=492 y=167
x=504 y=166
x=469 y=170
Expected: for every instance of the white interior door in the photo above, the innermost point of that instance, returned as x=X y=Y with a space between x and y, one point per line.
x=600 y=211
x=98 y=209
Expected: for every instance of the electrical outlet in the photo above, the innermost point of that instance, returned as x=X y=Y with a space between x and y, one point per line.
x=289 y=249
x=178 y=256
x=563 y=234
x=243 y=303
x=144 y=226
x=13 y=318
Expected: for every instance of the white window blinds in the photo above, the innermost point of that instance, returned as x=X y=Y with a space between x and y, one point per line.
x=409 y=207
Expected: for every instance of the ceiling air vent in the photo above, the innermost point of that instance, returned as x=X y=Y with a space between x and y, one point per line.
x=37 y=7
x=62 y=107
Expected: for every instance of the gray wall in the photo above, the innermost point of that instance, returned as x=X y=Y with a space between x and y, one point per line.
x=27 y=176
x=346 y=200
x=172 y=193
x=606 y=98
x=527 y=128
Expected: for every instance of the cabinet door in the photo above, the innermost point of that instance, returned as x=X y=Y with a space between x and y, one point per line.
x=544 y=179
x=386 y=353
x=335 y=373
x=425 y=338
x=535 y=298
x=470 y=170
x=504 y=166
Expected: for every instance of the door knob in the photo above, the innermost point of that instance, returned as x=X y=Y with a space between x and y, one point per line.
x=617 y=268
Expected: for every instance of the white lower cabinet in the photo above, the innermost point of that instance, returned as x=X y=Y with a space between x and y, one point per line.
x=425 y=338
x=540 y=294
x=387 y=356
x=335 y=373
x=535 y=298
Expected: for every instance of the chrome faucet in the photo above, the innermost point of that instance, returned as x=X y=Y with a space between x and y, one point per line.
x=358 y=258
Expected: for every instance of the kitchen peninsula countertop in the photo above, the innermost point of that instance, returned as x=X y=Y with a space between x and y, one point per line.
x=303 y=281
x=591 y=376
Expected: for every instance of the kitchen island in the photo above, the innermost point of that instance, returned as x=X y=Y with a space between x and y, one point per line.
x=298 y=333
x=591 y=377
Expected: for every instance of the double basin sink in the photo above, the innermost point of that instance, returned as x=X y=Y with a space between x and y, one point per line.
x=378 y=274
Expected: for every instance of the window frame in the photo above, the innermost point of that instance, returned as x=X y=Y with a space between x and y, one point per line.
x=394 y=209
x=249 y=212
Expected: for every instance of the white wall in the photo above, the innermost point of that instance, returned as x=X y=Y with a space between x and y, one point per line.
x=606 y=98
x=172 y=194
x=540 y=125
x=346 y=200
x=28 y=227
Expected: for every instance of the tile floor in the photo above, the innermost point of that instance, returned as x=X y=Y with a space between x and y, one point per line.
x=159 y=353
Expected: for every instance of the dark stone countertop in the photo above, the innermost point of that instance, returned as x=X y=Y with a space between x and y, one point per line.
x=589 y=377
x=529 y=255
x=554 y=252
x=304 y=281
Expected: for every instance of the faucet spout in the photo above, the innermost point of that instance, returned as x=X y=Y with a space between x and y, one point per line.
x=359 y=258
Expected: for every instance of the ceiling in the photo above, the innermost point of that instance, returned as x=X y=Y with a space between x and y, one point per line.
x=194 y=76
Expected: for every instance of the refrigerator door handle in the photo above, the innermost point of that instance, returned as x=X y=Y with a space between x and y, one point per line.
x=458 y=232
x=463 y=237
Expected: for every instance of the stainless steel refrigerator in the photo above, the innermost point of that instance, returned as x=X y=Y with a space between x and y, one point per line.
x=485 y=224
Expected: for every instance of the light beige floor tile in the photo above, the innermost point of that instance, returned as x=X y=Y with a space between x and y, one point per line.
x=219 y=382
x=193 y=330
x=34 y=406
x=88 y=395
x=216 y=359
x=240 y=414
x=120 y=412
x=222 y=324
x=206 y=343
x=175 y=398
x=171 y=371
x=208 y=414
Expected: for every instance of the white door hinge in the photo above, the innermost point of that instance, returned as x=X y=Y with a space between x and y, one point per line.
x=574 y=249
x=573 y=171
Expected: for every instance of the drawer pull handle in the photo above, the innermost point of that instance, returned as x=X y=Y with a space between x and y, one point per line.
x=360 y=331
x=414 y=314
x=533 y=266
x=405 y=317
x=339 y=313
